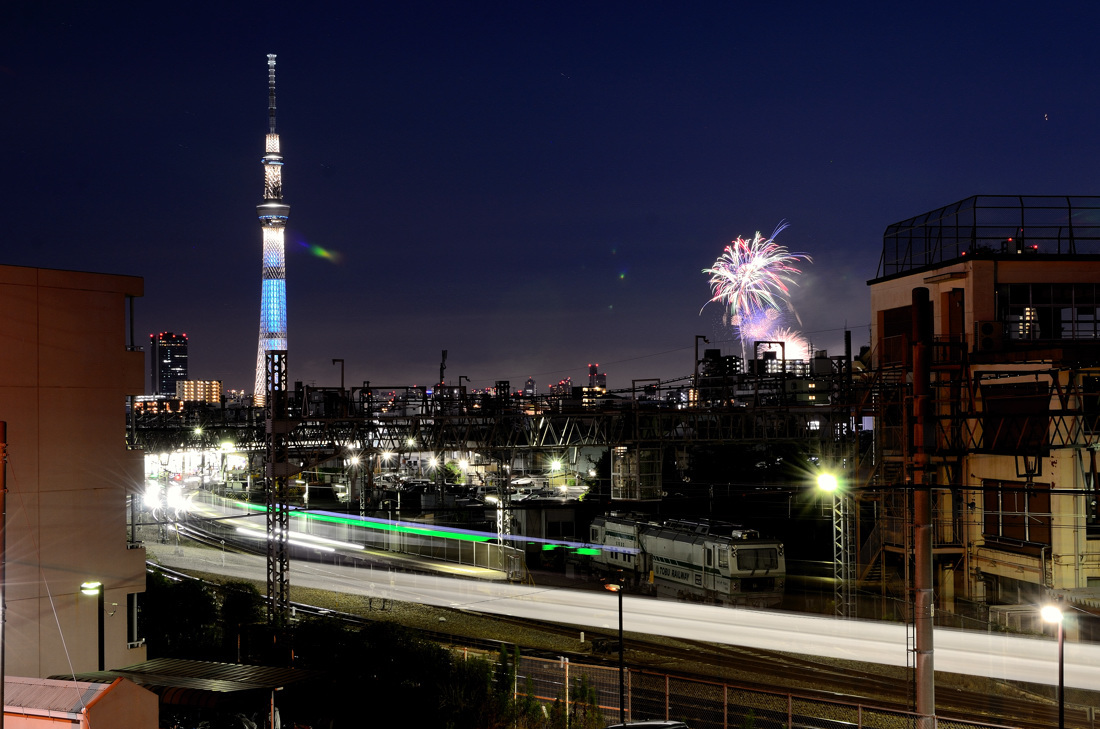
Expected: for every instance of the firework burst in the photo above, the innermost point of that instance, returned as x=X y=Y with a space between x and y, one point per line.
x=753 y=275
x=752 y=278
x=795 y=345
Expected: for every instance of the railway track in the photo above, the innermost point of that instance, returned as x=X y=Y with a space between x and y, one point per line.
x=711 y=662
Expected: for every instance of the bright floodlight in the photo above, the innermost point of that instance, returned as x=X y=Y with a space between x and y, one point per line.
x=354 y=460
x=463 y=464
x=175 y=498
x=152 y=494
x=1051 y=614
x=555 y=465
x=387 y=455
x=612 y=586
x=91 y=588
x=433 y=462
x=827 y=482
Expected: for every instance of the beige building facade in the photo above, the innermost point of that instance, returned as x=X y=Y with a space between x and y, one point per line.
x=1015 y=389
x=67 y=366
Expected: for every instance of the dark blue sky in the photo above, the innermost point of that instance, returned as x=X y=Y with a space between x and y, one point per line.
x=531 y=186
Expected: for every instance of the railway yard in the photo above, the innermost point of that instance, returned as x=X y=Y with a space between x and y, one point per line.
x=1025 y=706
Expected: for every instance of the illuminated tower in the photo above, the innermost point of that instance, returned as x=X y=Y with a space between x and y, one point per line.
x=273 y=214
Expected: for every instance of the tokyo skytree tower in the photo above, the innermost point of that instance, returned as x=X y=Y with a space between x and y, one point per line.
x=273 y=214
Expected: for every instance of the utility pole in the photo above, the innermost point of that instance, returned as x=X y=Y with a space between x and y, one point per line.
x=923 y=443
x=695 y=382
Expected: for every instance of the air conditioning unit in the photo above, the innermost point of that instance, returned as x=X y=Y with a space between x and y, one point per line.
x=989 y=335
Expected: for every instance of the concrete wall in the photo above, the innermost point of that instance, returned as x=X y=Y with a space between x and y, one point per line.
x=65 y=373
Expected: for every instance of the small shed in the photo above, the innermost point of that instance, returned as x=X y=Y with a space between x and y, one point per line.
x=38 y=703
x=207 y=689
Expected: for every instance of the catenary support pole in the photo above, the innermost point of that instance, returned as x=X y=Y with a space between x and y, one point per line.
x=923 y=605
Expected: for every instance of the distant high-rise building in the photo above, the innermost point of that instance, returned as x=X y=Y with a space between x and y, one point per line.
x=595 y=377
x=167 y=361
x=529 y=388
x=563 y=387
x=273 y=213
x=199 y=390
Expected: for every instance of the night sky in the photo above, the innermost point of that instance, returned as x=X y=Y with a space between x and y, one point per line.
x=531 y=186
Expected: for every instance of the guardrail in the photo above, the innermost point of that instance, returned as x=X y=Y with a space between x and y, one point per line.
x=704 y=704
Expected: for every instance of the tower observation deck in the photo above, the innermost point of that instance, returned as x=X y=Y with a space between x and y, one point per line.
x=273 y=213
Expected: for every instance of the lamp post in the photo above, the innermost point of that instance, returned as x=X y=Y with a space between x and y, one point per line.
x=96 y=588
x=162 y=527
x=354 y=490
x=1054 y=614
x=617 y=587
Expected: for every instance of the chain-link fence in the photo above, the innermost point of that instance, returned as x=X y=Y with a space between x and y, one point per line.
x=704 y=704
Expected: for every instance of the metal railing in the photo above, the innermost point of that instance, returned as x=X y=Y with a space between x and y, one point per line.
x=707 y=704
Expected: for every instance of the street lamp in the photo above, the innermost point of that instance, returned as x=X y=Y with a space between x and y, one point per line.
x=618 y=588
x=96 y=588
x=162 y=527
x=353 y=476
x=1053 y=614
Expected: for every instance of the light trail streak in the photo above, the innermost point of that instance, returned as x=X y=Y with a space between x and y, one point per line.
x=996 y=656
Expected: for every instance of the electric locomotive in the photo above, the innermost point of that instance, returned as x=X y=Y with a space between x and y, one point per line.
x=703 y=561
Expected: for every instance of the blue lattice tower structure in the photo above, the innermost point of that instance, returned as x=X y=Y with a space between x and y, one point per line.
x=273 y=214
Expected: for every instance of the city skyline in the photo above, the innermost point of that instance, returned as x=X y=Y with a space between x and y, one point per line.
x=532 y=189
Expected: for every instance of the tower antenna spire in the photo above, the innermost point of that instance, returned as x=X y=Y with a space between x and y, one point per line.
x=271 y=92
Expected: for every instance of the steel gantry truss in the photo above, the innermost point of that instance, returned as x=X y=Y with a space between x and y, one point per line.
x=278 y=471
x=313 y=440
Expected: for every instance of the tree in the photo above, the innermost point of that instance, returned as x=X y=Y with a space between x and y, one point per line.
x=179 y=618
x=242 y=606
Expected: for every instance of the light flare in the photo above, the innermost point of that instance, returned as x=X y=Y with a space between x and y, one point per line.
x=321 y=252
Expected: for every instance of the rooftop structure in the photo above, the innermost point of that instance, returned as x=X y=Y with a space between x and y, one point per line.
x=992 y=225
